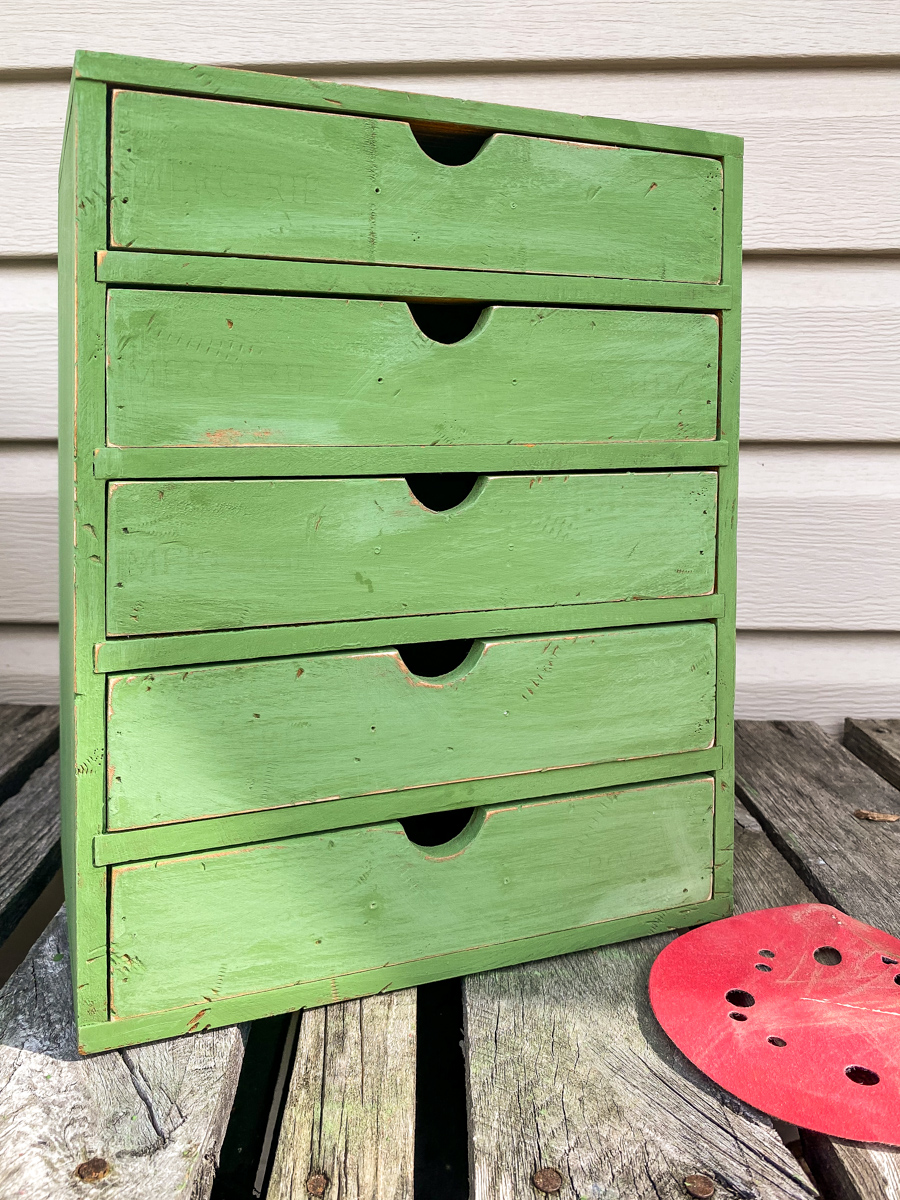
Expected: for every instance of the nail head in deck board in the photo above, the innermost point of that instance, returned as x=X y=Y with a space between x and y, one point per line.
x=29 y=844
x=877 y=744
x=804 y=788
x=28 y=734
x=350 y=1110
x=156 y=1114
x=568 y=1066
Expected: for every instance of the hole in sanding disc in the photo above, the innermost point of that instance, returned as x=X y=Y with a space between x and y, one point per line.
x=739 y=998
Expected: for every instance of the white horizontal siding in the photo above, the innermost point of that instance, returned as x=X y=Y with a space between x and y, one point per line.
x=424 y=31
x=822 y=147
x=819 y=596
x=817 y=676
x=821 y=355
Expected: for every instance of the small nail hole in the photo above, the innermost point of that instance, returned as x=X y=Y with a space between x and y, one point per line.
x=862 y=1075
x=762 y=967
x=766 y=953
x=739 y=998
x=738 y=1016
x=776 y=1041
x=828 y=956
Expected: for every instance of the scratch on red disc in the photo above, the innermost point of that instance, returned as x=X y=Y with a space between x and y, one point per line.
x=794 y=1010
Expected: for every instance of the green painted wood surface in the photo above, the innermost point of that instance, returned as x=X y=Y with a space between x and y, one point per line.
x=188 y=649
x=124 y=1031
x=218 y=554
x=233 y=273
x=188 y=837
x=189 y=930
x=291 y=91
x=288 y=462
x=257 y=735
x=219 y=178
x=200 y=369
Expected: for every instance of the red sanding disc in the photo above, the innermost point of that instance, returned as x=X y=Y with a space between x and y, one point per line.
x=796 y=1011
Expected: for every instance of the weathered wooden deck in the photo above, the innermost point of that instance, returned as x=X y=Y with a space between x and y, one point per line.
x=564 y=1084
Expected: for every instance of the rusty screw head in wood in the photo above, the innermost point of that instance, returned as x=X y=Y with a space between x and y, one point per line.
x=701 y=1187
x=92 y=1170
x=547 y=1179
x=316 y=1184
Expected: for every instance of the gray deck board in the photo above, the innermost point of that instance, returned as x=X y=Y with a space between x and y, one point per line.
x=29 y=844
x=29 y=733
x=569 y=1070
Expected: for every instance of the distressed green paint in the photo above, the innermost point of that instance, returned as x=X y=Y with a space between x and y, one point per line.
x=256 y=735
x=290 y=91
x=83 y=202
x=200 y=369
x=188 y=837
x=267 y=916
x=669 y=254
x=231 y=273
x=145 y=653
x=286 y=462
x=215 y=177
x=218 y=554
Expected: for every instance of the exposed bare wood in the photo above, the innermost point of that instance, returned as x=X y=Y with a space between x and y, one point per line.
x=147 y=1121
x=350 y=1113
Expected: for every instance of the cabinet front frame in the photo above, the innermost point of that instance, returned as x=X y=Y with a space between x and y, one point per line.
x=88 y=267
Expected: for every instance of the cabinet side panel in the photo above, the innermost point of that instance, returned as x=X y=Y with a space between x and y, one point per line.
x=727 y=533
x=83 y=208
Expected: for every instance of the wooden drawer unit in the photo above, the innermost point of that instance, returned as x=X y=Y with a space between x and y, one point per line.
x=214 y=369
x=338 y=914
x=252 y=735
x=224 y=554
x=399 y=503
x=220 y=178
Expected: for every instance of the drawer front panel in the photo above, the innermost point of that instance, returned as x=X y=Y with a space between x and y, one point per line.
x=195 y=369
x=215 y=740
x=223 y=178
x=188 y=930
x=229 y=554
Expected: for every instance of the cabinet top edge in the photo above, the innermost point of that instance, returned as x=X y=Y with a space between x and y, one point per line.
x=227 y=83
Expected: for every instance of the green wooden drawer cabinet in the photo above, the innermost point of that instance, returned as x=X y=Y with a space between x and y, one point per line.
x=397 y=485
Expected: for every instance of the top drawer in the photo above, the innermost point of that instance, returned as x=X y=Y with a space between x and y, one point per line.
x=222 y=178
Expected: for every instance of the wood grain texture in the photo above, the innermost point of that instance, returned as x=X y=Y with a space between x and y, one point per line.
x=29 y=843
x=326 y=186
x=568 y=1069
x=351 y=1103
x=28 y=736
x=818 y=361
x=186 y=556
x=804 y=787
x=319 y=907
x=387 y=32
x=807 y=520
x=817 y=676
x=156 y=1114
x=27 y=350
x=255 y=735
x=189 y=369
x=28 y=533
x=810 y=135
x=29 y=664
x=877 y=744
